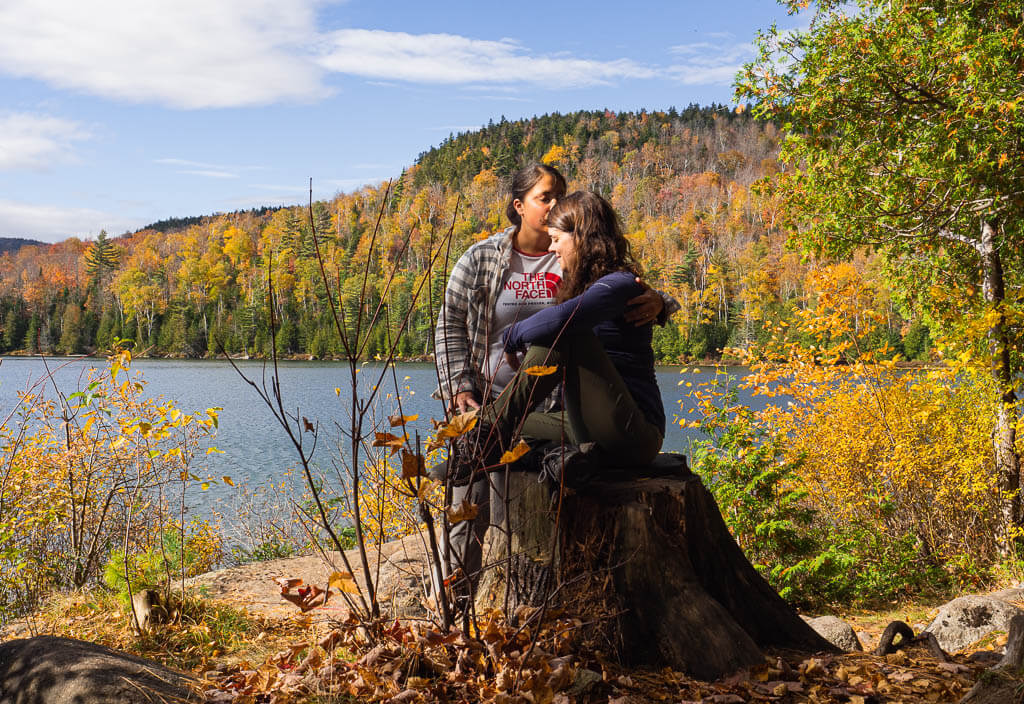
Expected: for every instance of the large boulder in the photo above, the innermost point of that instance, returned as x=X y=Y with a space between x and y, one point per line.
x=1011 y=594
x=968 y=619
x=837 y=632
x=51 y=670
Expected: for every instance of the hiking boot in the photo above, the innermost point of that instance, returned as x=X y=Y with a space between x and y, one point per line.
x=473 y=454
x=571 y=465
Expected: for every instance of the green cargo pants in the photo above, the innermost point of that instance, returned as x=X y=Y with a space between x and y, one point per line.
x=598 y=405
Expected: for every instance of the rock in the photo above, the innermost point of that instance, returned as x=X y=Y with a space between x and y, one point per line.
x=968 y=619
x=51 y=670
x=837 y=632
x=585 y=680
x=1002 y=683
x=1011 y=594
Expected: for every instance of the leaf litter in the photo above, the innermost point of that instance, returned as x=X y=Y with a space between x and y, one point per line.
x=549 y=662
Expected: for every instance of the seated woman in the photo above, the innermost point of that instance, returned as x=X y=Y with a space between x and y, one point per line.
x=606 y=364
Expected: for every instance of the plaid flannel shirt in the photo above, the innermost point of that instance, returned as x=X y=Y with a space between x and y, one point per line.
x=463 y=333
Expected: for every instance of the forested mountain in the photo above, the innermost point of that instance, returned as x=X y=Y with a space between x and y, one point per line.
x=682 y=182
x=180 y=223
x=13 y=244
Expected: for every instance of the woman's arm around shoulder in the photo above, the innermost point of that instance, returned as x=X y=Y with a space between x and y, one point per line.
x=605 y=299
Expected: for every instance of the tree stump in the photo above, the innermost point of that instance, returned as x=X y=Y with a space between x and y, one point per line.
x=648 y=561
x=1003 y=684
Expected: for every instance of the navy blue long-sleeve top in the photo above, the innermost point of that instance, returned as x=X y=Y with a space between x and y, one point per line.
x=601 y=308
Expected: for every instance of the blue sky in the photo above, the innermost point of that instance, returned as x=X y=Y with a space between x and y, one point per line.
x=115 y=114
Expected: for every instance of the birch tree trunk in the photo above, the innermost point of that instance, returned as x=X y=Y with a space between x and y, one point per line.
x=1004 y=436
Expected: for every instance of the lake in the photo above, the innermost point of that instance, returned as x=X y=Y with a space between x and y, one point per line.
x=255 y=447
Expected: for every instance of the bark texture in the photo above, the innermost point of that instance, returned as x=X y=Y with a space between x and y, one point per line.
x=1003 y=684
x=1005 y=433
x=650 y=564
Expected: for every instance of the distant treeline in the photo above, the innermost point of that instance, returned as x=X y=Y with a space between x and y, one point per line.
x=191 y=286
x=13 y=244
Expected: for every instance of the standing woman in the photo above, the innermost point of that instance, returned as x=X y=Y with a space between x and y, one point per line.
x=606 y=363
x=497 y=281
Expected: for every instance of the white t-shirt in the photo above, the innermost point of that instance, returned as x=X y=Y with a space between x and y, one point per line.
x=532 y=284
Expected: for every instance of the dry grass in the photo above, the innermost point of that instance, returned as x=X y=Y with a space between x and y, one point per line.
x=199 y=635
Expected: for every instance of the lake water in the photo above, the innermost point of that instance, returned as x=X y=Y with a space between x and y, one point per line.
x=255 y=447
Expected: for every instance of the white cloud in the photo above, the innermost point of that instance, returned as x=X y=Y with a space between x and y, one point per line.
x=452 y=59
x=36 y=141
x=201 y=168
x=709 y=62
x=54 y=223
x=208 y=173
x=227 y=53
x=182 y=53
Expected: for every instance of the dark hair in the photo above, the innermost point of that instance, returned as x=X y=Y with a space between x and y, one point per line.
x=597 y=237
x=525 y=179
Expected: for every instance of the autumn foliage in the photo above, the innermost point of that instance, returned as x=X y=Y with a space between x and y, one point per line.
x=855 y=461
x=89 y=472
x=681 y=181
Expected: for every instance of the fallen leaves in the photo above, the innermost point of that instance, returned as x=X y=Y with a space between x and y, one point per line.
x=411 y=661
x=309 y=596
x=498 y=663
x=305 y=596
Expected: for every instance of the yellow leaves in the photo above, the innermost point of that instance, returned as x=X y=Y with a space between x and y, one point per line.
x=227 y=480
x=343 y=582
x=119 y=362
x=458 y=425
x=400 y=420
x=540 y=370
x=425 y=489
x=510 y=456
x=388 y=440
x=871 y=443
x=556 y=155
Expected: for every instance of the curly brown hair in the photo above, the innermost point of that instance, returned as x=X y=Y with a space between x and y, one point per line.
x=597 y=238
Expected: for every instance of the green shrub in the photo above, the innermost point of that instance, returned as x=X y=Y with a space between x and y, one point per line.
x=810 y=561
x=160 y=565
